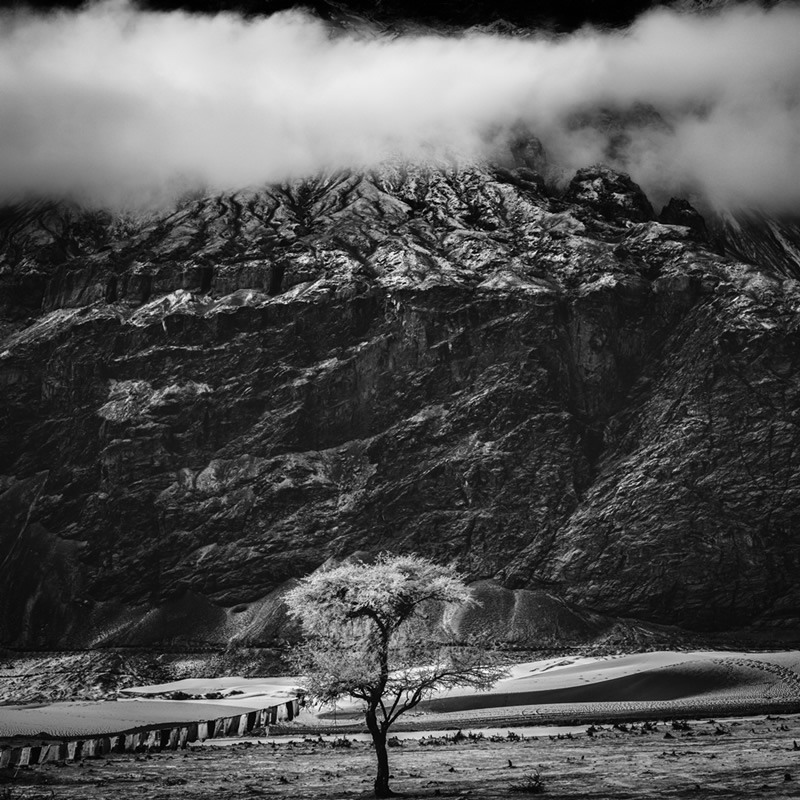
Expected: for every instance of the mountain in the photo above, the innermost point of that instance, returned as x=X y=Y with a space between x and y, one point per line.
x=592 y=410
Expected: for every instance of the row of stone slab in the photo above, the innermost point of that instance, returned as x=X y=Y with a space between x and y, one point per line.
x=143 y=740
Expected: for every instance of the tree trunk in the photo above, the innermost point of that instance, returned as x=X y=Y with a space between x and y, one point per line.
x=379 y=740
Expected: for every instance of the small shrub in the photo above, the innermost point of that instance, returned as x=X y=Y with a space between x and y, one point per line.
x=438 y=741
x=530 y=783
x=341 y=742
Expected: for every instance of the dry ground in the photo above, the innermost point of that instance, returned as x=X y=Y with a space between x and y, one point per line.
x=727 y=759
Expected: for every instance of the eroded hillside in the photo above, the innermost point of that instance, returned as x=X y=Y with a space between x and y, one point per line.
x=592 y=411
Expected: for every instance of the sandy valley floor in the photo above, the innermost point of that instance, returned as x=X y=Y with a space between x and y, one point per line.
x=733 y=755
x=726 y=759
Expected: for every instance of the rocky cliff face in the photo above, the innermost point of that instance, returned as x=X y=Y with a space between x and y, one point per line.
x=593 y=412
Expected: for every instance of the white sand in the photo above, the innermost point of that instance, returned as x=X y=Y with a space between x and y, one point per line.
x=723 y=678
x=777 y=675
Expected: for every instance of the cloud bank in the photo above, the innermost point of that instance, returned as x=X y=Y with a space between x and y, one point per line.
x=114 y=103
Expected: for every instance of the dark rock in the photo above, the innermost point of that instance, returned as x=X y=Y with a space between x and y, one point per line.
x=611 y=194
x=591 y=413
x=680 y=212
x=772 y=243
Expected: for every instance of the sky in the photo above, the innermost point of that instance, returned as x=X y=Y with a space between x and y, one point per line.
x=117 y=105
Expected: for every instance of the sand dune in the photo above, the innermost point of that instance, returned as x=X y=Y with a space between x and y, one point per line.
x=714 y=679
x=88 y=718
x=234 y=690
x=692 y=680
x=666 y=682
x=222 y=685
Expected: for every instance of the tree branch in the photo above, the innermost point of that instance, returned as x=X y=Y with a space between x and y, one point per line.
x=364 y=611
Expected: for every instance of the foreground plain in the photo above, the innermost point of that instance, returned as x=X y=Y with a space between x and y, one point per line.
x=749 y=757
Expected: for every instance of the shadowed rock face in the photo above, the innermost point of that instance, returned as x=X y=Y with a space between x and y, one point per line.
x=593 y=412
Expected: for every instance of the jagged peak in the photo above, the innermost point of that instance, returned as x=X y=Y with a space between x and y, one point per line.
x=612 y=194
x=679 y=211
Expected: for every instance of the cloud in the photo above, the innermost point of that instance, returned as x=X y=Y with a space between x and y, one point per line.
x=114 y=102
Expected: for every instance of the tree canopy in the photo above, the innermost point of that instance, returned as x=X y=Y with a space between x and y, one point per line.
x=370 y=634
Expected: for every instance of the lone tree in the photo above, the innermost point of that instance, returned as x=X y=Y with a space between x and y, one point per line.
x=368 y=637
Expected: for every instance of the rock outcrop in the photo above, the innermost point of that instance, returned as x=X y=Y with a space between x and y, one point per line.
x=592 y=412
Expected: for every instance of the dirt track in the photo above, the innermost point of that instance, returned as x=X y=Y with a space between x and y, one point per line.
x=745 y=758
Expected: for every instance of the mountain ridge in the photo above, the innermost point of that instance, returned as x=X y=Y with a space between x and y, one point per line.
x=588 y=407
